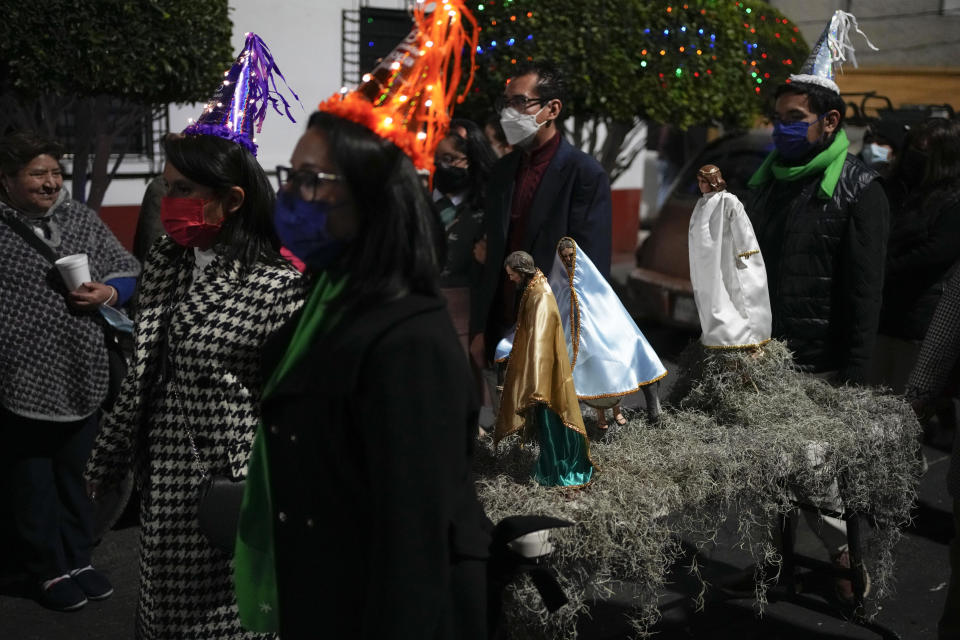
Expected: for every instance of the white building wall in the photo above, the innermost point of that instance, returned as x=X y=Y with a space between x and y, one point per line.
x=305 y=39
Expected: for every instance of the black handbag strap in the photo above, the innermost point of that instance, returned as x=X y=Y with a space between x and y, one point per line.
x=24 y=231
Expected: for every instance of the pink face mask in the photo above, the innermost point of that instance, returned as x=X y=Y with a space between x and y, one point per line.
x=183 y=221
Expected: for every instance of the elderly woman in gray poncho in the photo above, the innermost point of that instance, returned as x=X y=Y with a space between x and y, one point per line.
x=54 y=372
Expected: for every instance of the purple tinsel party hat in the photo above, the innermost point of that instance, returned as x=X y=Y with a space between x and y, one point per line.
x=240 y=102
x=831 y=50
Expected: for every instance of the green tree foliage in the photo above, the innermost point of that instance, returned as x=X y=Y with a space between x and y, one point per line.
x=105 y=67
x=683 y=64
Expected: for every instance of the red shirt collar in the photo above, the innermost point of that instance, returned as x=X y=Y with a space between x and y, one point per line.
x=544 y=153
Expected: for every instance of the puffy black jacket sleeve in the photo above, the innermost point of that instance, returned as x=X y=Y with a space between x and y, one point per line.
x=865 y=253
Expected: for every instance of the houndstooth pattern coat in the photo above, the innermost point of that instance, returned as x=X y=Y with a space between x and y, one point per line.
x=936 y=362
x=216 y=327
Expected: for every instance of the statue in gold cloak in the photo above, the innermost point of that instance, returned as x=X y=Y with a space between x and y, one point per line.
x=538 y=393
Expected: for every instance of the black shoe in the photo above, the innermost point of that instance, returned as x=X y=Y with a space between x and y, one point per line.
x=93 y=583
x=62 y=595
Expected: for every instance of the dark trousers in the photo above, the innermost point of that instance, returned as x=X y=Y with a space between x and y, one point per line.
x=950 y=621
x=52 y=515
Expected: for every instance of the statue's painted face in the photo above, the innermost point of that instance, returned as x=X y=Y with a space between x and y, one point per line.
x=514 y=276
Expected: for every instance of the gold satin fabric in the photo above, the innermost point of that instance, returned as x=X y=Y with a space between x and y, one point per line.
x=539 y=368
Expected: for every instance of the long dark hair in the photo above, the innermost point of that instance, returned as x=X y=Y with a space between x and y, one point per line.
x=941 y=137
x=395 y=251
x=939 y=140
x=247 y=235
x=480 y=157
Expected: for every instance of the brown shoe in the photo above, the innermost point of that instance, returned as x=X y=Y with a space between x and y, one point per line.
x=843 y=587
x=601 y=419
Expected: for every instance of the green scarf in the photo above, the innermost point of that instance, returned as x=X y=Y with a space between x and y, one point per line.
x=829 y=162
x=254 y=573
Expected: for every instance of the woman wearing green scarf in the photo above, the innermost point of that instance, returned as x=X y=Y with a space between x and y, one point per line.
x=368 y=417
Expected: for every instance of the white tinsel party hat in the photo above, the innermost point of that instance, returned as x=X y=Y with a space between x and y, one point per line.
x=832 y=49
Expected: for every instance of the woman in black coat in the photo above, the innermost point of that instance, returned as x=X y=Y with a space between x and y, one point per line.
x=463 y=160
x=378 y=532
x=924 y=245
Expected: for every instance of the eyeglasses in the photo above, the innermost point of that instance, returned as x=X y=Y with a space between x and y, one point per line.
x=519 y=102
x=450 y=160
x=307 y=183
x=774 y=118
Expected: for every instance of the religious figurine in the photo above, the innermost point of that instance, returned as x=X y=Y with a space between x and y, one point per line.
x=538 y=393
x=609 y=354
x=726 y=269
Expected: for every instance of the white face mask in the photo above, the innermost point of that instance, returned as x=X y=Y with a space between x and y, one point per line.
x=875 y=154
x=519 y=128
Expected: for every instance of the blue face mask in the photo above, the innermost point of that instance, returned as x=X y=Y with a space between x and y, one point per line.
x=790 y=138
x=302 y=229
x=873 y=154
x=116 y=319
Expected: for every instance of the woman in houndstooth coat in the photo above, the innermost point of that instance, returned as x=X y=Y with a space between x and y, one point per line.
x=210 y=296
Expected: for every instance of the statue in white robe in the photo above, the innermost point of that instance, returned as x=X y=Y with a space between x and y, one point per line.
x=726 y=269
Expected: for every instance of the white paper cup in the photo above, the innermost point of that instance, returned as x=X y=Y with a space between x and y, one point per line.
x=533 y=544
x=74 y=269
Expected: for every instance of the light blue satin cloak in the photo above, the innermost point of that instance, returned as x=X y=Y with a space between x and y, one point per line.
x=610 y=355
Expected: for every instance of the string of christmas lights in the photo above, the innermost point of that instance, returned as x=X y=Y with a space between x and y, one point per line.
x=686 y=39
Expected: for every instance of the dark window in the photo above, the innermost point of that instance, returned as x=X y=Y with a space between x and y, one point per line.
x=139 y=140
x=380 y=31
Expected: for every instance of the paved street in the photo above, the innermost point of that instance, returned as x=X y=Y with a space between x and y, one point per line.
x=921 y=574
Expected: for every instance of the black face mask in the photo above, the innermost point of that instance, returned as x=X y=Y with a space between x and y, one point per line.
x=913 y=167
x=449 y=180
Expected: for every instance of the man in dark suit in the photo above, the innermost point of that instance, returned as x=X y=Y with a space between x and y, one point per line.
x=544 y=190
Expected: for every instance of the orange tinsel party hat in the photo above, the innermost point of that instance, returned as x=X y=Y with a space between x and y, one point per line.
x=408 y=97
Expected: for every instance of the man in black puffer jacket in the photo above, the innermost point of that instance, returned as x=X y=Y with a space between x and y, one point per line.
x=822 y=221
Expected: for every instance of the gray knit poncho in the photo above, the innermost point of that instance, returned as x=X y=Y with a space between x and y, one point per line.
x=53 y=362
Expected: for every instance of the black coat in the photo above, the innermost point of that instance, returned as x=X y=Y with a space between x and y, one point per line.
x=573 y=200
x=924 y=252
x=825 y=265
x=378 y=530
x=460 y=268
